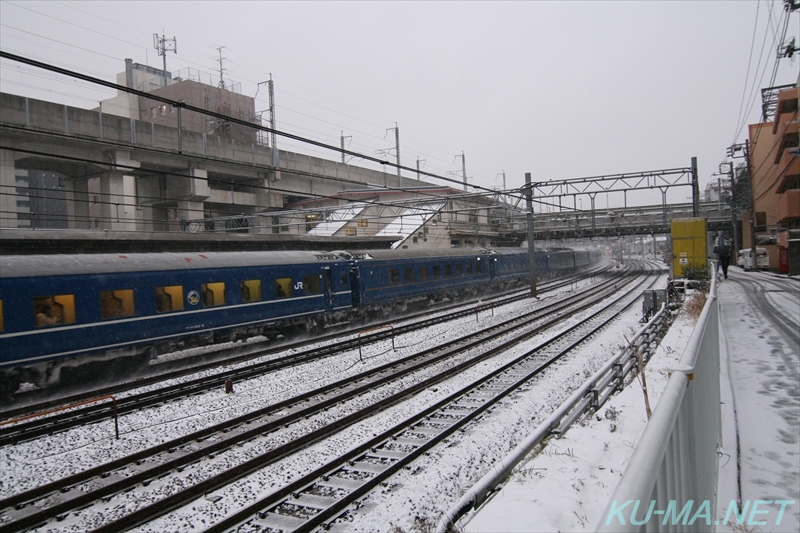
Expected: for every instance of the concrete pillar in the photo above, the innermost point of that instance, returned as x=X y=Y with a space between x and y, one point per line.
x=8 y=191
x=265 y=200
x=118 y=202
x=191 y=211
x=190 y=185
x=78 y=204
x=190 y=189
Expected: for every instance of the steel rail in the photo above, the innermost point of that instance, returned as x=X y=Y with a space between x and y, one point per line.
x=65 y=421
x=588 y=397
x=205 y=447
x=379 y=450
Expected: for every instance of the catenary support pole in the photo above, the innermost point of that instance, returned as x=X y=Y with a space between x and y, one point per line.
x=695 y=190
x=531 y=250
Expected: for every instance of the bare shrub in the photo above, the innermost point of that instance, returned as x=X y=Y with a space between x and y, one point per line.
x=694 y=304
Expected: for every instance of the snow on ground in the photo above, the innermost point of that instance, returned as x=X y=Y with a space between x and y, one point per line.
x=38 y=461
x=418 y=496
x=567 y=486
x=763 y=366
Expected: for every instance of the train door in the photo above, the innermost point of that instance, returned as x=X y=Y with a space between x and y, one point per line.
x=327 y=288
x=355 y=285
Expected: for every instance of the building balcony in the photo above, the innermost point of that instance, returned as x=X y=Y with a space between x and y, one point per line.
x=789 y=206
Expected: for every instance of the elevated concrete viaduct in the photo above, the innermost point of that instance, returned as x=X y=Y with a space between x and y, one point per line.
x=152 y=176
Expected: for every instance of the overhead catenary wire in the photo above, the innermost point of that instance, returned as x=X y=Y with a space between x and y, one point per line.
x=757 y=80
x=411 y=136
x=427 y=195
x=181 y=104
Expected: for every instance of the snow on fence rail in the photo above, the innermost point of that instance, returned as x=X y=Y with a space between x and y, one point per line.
x=589 y=397
x=675 y=464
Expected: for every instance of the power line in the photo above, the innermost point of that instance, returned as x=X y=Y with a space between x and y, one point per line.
x=339 y=125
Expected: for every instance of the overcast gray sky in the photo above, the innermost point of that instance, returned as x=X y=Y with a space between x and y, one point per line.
x=558 y=89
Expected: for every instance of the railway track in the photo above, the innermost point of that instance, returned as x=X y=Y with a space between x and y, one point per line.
x=102 y=483
x=63 y=421
x=41 y=400
x=319 y=498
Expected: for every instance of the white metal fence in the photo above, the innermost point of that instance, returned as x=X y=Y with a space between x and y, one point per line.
x=671 y=481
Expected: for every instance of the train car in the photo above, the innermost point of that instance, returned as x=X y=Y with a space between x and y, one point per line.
x=511 y=266
x=58 y=312
x=560 y=260
x=400 y=279
x=105 y=306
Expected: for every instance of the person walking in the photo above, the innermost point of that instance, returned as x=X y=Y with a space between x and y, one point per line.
x=723 y=251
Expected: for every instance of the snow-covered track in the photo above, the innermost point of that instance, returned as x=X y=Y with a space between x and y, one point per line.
x=63 y=421
x=319 y=498
x=105 y=480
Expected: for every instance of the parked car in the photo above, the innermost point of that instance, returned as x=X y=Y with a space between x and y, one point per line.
x=746 y=261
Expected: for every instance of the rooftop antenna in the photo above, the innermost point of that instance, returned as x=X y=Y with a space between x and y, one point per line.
x=221 y=68
x=164 y=45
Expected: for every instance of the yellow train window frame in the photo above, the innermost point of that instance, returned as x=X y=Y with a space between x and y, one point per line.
x=171 y=294
x=116 y=304
x=213 y=294
x=54 y=310
x=283 y=288
x=250 y=290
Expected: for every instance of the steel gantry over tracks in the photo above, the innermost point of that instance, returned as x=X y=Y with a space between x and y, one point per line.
x=556 y=193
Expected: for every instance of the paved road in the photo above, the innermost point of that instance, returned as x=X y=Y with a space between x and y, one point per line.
x=760 y=319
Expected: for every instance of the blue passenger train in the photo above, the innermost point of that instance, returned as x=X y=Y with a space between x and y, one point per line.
x=60 y=312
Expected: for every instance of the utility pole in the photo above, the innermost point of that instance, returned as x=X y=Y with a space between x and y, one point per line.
x=531 y=251
x=418 y=162
x=164 y=45
x=396 y=151
x=463 y=168
x=753 y=255
x=695 y=190
x=272 y=123
x=732 y=174
x=343 y=138
x=397 y=148
x=745 y=149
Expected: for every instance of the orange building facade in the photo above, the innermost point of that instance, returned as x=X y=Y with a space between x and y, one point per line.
x=775 y=179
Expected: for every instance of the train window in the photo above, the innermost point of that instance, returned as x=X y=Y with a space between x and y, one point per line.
x=116 y=304
x=344 y=280
x=213 y=294
x=410 y=274
x=437 y=271
x=311 y=285
x=478 y=267
x=53 y=310
x=459 y=269
x=169 y=298
x=469 y=267
x=394 y=276
x=423 y=273
x=448 y=271
x=283 y=287
x=250 y=290
x=2 y=323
